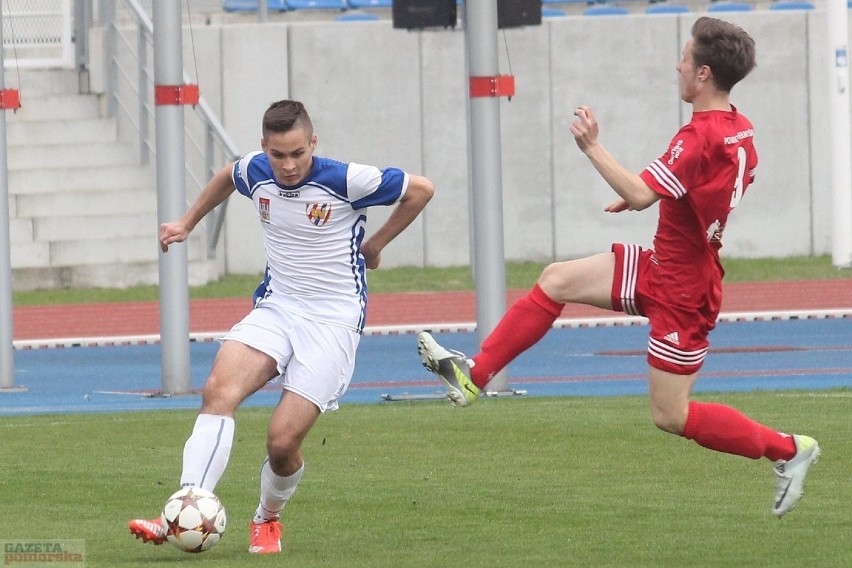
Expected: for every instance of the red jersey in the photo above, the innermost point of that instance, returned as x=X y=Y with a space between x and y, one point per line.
x=702 y=176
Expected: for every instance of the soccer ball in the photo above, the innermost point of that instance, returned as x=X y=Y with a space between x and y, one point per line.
x=194 y=519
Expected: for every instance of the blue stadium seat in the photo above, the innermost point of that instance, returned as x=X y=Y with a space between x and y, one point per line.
x=317 y=5
x=356 y=17
x=605 y=10
x=370 y=4
x=557 y=13
x=730 y=7
x=666 y=9
x=252 y=5
x=239 y=5
x=791 y=5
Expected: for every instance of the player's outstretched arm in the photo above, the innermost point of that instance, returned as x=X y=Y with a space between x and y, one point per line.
x=634 y=192
x=417 y=195
x=215 y=192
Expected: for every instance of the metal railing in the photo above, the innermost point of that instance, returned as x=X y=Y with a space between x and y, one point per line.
x=130 y=79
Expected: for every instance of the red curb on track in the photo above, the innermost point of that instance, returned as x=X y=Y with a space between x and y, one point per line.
x=143 y=318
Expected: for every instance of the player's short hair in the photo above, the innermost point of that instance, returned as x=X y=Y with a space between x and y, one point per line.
x=725 y=48
x=284 y=116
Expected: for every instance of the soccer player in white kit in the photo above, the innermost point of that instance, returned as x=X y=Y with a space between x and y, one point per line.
x=310 y=309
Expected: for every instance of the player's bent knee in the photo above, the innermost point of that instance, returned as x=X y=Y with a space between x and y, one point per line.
x=555 y=281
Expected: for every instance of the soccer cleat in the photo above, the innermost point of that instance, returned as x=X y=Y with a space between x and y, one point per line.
x=790 y=475
x=148 y=530
x=452 y=367
x=265 y=537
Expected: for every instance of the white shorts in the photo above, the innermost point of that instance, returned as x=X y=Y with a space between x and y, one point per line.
x=315 y=359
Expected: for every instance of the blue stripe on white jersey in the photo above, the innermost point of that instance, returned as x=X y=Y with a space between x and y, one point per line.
x=313 y=233
x=359 y=267
x=240 y=174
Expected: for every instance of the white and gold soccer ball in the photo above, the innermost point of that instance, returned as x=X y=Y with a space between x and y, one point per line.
x=194 y=519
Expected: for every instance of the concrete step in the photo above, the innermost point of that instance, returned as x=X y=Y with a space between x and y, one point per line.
x=81 y=178
x=96 y=202
x=70 y=155
x=116 y=275
x=83 y=212
x=107 y=250
x=94 y=227
x=42 y=132
x=20 y=230
x=30 y=255
x=51 y=108
x=41 y=82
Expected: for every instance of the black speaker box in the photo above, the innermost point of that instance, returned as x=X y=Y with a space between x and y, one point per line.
x=517 y=13
x=419 y=14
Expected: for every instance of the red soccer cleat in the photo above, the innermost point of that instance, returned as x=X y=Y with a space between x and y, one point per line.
x=148 y=530
x=265 y=537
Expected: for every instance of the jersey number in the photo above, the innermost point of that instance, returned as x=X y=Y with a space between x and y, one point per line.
x=737 y=195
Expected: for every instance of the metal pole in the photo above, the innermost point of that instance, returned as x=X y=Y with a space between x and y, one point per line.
x=171 y=200
x=262 y=11
x=486 y=173
x=7 y=352
x=841 y=146
x=142 y=99
x=106 y=12
x=82 y=24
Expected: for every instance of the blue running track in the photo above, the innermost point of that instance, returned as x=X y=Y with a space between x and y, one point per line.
x=796 y=354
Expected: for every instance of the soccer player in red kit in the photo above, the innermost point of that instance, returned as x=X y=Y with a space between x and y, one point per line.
x=677 y=285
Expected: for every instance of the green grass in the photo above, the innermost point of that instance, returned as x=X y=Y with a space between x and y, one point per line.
x=523 y=482
x=518 y=276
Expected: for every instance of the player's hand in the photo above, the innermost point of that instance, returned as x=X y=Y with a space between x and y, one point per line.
x=585 y=127
x=372 y=258
x=617 y=206
x=172 y=232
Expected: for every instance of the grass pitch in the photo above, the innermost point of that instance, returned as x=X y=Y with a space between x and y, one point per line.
x=519 y=276
x=521 y=482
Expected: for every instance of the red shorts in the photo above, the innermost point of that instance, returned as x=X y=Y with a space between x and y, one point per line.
x=678 y=338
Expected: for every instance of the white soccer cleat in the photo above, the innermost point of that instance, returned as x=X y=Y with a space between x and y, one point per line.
x=790 y=475
x=452 y=367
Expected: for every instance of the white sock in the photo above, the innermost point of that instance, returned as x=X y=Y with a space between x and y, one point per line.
x=206 y=452
x=275 y=491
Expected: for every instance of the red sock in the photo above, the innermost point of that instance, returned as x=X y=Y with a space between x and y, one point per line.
x=724 y=429
x=527 y=321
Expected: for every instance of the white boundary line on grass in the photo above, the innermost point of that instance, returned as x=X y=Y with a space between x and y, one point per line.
x=461 y=327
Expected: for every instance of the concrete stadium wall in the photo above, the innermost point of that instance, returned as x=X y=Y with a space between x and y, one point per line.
x=392 y=97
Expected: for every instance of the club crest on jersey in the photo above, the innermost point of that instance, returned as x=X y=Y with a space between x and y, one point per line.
x=264 y=206
x=318 y=213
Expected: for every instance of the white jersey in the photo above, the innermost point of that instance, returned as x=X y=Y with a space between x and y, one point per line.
x=313 y=232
